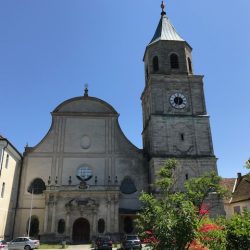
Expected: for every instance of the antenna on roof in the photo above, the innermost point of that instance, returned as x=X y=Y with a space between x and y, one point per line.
x=86 y=90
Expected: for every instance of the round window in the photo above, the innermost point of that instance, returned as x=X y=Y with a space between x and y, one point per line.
x=85 y=173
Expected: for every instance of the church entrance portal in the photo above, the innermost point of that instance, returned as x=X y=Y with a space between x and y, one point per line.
x=81 y=231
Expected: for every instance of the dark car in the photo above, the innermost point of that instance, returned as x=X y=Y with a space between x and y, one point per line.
x=131 y=242
x=103 y=243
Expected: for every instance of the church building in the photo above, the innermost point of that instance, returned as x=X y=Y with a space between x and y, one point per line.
x=84 y=177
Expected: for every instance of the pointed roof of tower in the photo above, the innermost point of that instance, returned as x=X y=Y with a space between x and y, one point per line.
x=165 y=30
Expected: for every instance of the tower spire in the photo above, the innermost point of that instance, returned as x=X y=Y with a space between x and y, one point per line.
x=163 y=8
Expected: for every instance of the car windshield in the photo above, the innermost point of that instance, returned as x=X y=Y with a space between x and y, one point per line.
x=132 y=237
x=104 y=238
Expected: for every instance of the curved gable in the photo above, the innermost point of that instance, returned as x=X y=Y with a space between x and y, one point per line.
x=85 y=104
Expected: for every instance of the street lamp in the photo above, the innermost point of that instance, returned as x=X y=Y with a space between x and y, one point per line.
x=31 y=206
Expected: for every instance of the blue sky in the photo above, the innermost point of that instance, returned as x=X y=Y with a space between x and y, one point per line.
x=50 y=48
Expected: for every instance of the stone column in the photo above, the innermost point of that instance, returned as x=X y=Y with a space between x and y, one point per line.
x=53 y=217
x=112 y=217
x=67 y=229
x=45 y=218
x=94 y=223
x=108 y=214
x=116 y=215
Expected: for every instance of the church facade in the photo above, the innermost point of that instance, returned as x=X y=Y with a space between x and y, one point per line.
x=84 y=178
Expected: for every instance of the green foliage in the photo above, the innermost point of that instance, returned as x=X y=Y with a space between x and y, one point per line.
x=238 y=232
x=199 y=188
x=171 y=220
x=247 y=166
x=172 y=217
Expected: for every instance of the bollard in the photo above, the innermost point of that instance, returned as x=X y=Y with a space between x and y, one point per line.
x=64 y=244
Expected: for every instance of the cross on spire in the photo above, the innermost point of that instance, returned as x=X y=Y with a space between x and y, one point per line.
x=86 y=90
x=162 y=8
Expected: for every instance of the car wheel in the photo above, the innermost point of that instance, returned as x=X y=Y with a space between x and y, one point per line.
x=27 y=248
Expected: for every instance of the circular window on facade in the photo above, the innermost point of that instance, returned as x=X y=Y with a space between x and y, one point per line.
x=84 y=173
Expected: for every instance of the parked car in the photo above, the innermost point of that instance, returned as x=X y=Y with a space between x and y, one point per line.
x=23 y=243
x=131 y=242
x=103 y=243
x=3 y=245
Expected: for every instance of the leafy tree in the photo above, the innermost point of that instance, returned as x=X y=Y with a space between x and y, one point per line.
x=238 y=232
x=170 y=219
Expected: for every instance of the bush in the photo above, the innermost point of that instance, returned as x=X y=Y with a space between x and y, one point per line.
x=238 y=232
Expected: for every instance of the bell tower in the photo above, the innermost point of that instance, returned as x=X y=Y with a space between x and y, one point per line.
x=175 y=121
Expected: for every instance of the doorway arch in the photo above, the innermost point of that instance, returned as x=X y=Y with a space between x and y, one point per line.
x=81 y=231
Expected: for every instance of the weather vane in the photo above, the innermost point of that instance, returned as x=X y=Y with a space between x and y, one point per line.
x=86 y=90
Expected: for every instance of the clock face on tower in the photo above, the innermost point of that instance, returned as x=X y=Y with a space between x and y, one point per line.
x=178 y=101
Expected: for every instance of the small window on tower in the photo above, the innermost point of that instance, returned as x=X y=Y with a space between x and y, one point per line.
x=186 y=176
x=174 y=61
x=190 y=66
x=182 y=137
x=155 y=64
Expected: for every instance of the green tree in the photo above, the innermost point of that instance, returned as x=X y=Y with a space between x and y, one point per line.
x=170 y=219
x=238 y=232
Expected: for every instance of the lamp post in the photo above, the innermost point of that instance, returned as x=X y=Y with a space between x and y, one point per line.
x=31 y=205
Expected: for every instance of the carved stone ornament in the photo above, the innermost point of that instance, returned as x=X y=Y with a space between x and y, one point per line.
x=85 y=142
x=83 y=185
x=81 y=204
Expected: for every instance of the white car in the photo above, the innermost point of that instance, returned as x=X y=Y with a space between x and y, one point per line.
x=3 y=245
x=23 y=243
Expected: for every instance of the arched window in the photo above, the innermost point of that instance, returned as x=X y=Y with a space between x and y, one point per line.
x=128 y=186
x=128 y=225
x=101 y=226
x=174 y=61
x=155 y=64
x=190 y=66
x=61 y=226
x=33 y=226
x=37 y=185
